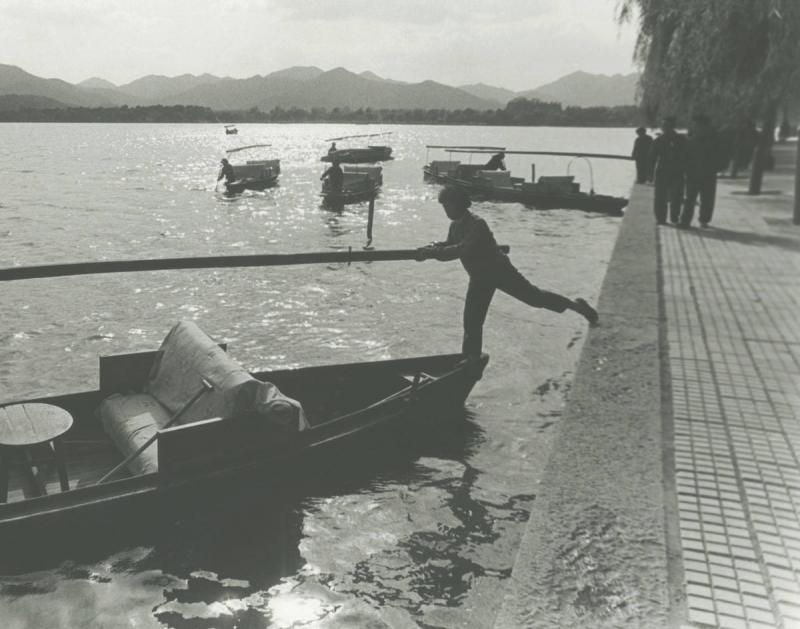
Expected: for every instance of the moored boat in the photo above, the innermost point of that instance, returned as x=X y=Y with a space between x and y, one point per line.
x=360 y=183
x=257 y=174
x=549 y=192
x=231 y=129
x=358 y=155
x=246 y=425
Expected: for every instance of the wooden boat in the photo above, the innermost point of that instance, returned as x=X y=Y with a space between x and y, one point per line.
x=347 y=406
x=258 y=174
x=549 y=192
x=359 y=155
x=347 y=409
x=231 y=129
x=361 y=183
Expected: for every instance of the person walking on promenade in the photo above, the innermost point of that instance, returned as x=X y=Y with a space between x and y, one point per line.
x=703 y=160
x=470 y=239
x=641 y=155
x=668 y=158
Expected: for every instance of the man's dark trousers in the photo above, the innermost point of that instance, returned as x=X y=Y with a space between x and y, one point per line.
x=668 y=191
x=706 y=189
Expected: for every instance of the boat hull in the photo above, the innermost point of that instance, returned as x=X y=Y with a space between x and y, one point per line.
x=349 y=196
x=599 y=203
x=201 y=466
x=239 y=186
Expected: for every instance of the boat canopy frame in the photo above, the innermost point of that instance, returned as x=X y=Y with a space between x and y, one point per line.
x=249 y=146
x=359 y=135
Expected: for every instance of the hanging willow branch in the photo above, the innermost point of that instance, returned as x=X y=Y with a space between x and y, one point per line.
x=730 y=57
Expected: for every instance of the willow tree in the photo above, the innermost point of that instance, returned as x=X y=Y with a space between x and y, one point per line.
x=733 y=59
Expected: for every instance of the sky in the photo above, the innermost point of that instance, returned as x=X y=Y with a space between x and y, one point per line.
x=517 y=44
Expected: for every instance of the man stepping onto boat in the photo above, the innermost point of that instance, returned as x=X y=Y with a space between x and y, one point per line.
x=334 y=176
x=470 y=239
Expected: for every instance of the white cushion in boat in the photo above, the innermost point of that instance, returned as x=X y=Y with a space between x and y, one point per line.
x=130 y=420
x=186 y=357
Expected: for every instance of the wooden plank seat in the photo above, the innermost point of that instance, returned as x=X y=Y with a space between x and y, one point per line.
x=186 y=357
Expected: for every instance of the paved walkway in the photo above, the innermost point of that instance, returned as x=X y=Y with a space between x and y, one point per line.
x=672 y=494
x=732 y=305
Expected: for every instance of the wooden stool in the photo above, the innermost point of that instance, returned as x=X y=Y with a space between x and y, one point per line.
x=23 y=426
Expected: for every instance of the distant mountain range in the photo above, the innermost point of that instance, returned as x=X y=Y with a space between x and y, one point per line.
x=305 y=87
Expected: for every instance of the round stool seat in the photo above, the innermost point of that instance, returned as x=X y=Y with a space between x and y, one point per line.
x=30 y=424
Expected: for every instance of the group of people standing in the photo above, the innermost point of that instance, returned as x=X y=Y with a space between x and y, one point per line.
x=683 y=168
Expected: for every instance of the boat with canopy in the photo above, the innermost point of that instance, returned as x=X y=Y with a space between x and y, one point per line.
x=548 y=192
x=359 y=155
x=359 y=184
x=254 y=174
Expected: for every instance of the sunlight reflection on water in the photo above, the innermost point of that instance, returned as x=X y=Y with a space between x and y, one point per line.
x=427 y=537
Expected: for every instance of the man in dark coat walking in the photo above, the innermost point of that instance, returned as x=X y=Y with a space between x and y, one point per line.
x=703 y=160
x=668 y=157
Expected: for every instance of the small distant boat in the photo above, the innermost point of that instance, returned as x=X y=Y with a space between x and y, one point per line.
x=363 y=155
x=258 y=174
x=361 y=183
x=230 y=129
x=549 y=192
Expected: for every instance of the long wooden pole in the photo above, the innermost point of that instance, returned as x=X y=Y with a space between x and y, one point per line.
x=471 y=148
x=167 y=264
x=561 y=153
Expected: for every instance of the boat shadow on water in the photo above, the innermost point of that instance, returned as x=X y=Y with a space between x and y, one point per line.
x=238 y=546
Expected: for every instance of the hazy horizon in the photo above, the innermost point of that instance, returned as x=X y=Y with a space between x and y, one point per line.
x=455 y=42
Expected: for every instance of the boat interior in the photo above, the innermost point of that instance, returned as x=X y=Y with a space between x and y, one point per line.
x=109 y=423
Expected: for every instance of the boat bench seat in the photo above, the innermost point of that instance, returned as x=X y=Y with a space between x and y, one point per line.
x=186 y=357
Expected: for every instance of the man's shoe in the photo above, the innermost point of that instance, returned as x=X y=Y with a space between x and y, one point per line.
x=584 y=309
x=704 y=225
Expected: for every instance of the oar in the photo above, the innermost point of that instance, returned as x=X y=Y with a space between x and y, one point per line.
x=207 y=386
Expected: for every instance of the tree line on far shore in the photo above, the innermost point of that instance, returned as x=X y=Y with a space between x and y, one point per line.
x=518 y=112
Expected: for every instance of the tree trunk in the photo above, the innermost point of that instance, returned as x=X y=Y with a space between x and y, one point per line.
x=763 y=148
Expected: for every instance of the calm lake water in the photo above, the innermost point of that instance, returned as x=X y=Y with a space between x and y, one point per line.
x=419 y=539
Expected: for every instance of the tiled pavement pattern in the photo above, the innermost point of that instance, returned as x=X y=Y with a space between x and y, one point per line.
x=732 y=303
